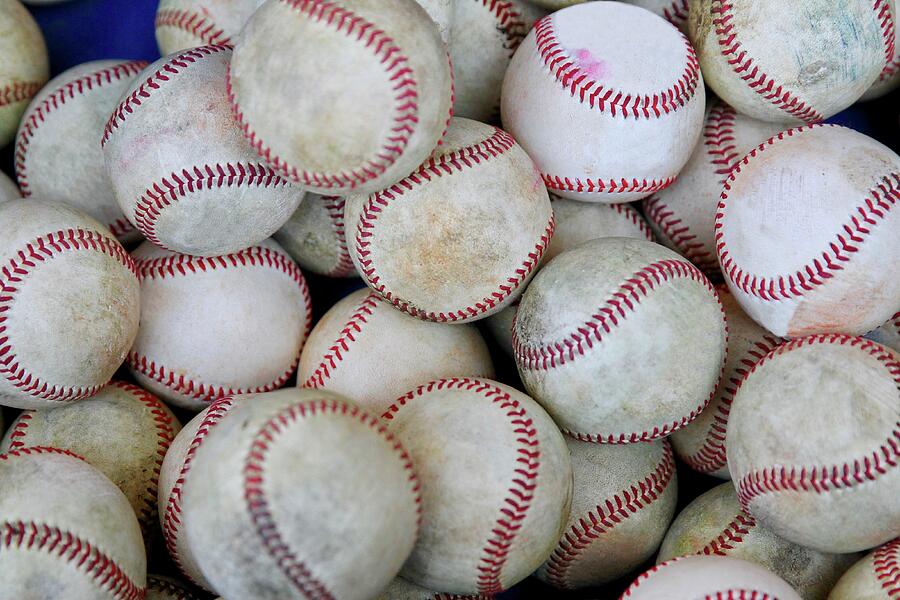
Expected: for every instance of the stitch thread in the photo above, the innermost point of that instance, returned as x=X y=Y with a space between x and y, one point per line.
x=157 y=584
x=120 y=227
x=874 y=208
x=335 y=207
x=886 y=561
x=728 y=594
x=13 y=275
x=821 y=479
x=257 y=502
x=731 y=536
x=402 y=82
x=608 y=186
x=36 y=450
x=883 y=9
x=606 y=516
x=18 y=91
x=195 y=24
x=632 y=215
x=515 y=506
x=509 y=23
x=677 y=12
x=448 y=164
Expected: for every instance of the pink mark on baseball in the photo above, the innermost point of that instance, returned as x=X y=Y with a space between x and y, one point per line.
x=591 y=65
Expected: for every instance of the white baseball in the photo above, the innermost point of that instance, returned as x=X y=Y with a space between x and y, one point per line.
x=67 y=532
x=214 y=327
x=400 y=589
x=366 y=350
x=621 y=340
x=184 y=24
x=454 y=261
x=8 y=188
x=709 y=577
x=822 y=469
x=888 y=334
x=300 y=494
x=683 y=216
x=806 y=232
x=160 y=587
x=484 y=529
x=623 y=502
x=715 y=524
x=701 y=444
x=367 y=106
x=607 y=99
x=181 y=171
x=70 y=305
x=889 y=79
x=874 y=577
x=314 y=236
x=57 y=152
x=790 y=62
x=25 y=65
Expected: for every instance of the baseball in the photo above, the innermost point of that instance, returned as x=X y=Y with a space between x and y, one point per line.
x=701 y=444
x=160 y=587
x=199 y=189
x=708 y=577
x=57 y=154
x=888 y=334
x=715 y=524
x=400 y=589
x=122 y=431
x=441 y=12
x=606 y=118
x=8 y=189
x=820 y=470
x=790 y=62
x=683 y=216
x=874 y=577
x=185 y=24
x=461 y=261
x=368 y=106
x=485 y=529
x=623 y=502
x=621 y=340
x=70 y=307
x=673 y=11
x=805 y=233
x=366 y=350
x=300 y=494
x=214 y=327
x=889 y=79
x=24 y=69
x=314 y=237
x=67 y=531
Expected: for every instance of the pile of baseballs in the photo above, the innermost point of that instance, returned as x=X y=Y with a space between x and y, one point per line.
x=687 y=269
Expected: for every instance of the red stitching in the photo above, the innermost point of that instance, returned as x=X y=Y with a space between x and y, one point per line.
x=194 y=24
x=634 y=216
x=177 y=185
x=677 y=12
x=883 y=9
x=448 y=164
x=153 y=82
x=586 y=89
x=509 y=23
x=745 y=68
x=157 y=584
x=514 y=508
x=402 y=81
x=183 y=265
x=171 y=521
x=19 y=430
x=335 y=207
x=120 y=227
x=887 y=568
x=731 y=536
x=255 y=496
x=13 y=275
x=348 y=334
x=36 y=450
x=609 y=186
x=606 y=516
x=18 y=91
x=821 y=479
x=881 y=200
x=729 y=594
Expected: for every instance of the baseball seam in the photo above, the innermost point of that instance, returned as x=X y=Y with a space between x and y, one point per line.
x=446 y=165
x=193 y=23
x=335 y=207
x=886 y=18
x=886 y=561
x=677 y=12
x=402 y=81
x=821 y=479
x=257 y=502
x=731 y=536
x=34 y=450
x=632 y=215
x=607 y=515
x=726 y=594
x=509 y=22
x=161 y=585
x=607 y=186
x=13 y=275
x=18 y=91
x=515 y=506
x=863 y=218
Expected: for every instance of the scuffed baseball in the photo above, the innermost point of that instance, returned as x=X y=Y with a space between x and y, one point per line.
x=67 y=530
x=58 y=153
x=25 y=65
x=299 y=493
x=368 y=106
x=888 y=334
x=70 y=306
x=813 y=442
x=701 y=444
x=623 y=503
x=182 y=172
x=714 y=524
x=400 y=589
x=484 y=529
x=806 y=234
x=874 y=577
x=8 y=188
x=314 y=236
x=889 y=79
x=456 y=261
x=606 y=118
x=122 y=431
x=183 y=24
x=789 y=62
x=683 y=215
x=160 y=587
x=621 y=340
x=214 y=327
x=370 y=352
x=708 y=577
